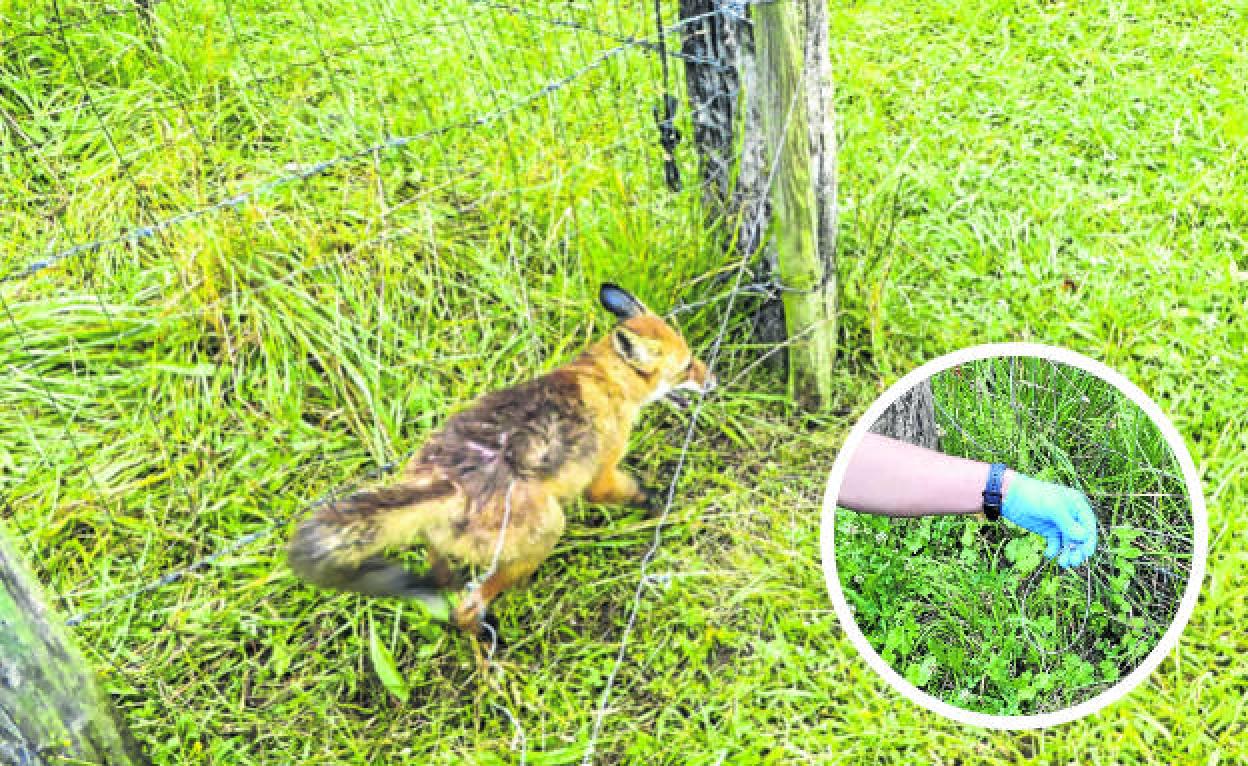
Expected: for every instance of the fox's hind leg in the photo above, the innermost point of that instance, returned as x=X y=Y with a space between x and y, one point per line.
x=339 y=546
x=535 y=524
x=472 y=613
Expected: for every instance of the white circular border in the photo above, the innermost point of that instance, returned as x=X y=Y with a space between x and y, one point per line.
x=1199 y=550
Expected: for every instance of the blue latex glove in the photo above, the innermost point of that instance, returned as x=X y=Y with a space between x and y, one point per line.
x=1060 y=514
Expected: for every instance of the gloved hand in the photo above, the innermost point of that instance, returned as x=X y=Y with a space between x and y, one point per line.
x=1061 y=515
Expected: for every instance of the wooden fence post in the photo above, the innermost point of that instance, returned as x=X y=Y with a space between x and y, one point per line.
x=795 y=99
x=51 y=709
x=772 y=102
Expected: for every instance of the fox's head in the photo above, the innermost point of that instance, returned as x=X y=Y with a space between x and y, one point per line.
x=653 y=349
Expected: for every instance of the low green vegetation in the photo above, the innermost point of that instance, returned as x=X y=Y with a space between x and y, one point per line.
x=1072 y=174
x=971 y=612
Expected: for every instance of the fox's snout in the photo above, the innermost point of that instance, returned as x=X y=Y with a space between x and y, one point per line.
x=702 y=377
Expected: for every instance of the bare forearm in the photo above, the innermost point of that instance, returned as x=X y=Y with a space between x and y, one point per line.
x=893 y=478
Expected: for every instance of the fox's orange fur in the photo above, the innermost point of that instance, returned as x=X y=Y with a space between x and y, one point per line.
x=521 y=452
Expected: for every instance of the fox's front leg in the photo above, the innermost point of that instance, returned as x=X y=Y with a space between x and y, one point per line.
x=613 y=485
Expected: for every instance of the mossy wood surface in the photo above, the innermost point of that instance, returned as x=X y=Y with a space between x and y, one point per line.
x=51 y=711
x=795 y=96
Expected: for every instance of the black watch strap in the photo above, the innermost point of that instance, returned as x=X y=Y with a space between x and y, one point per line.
x=992 y=491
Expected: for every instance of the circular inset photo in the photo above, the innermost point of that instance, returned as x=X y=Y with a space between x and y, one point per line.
x=1014 y=535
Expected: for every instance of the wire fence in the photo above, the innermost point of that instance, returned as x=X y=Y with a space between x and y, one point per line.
x=227 y=171
x=298 y=171
x=1082 y=628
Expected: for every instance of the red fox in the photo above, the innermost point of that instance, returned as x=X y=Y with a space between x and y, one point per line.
x=516 y=455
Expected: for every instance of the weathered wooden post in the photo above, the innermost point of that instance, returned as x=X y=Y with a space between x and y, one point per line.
x=51 y=709
x=795 y=98
x=771 y=108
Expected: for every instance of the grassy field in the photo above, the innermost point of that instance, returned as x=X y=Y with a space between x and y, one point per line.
x=1068 y=173
x=970 y=612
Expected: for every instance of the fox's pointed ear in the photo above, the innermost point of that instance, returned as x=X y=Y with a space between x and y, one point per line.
x=620 y=302
x=632 y=348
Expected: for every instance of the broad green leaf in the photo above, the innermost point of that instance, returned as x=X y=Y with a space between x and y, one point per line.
x=384 y=665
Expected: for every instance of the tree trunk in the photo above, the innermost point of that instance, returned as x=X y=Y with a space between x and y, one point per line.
x=51 y=710
x=912 y=418
x=713 y=47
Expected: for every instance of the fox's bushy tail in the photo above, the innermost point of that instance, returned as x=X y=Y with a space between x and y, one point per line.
x=340 y=545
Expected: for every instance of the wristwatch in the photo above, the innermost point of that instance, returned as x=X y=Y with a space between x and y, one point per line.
x=992 y=491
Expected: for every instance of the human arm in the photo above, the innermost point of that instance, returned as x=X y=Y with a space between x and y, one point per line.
x=889 y=477
x=892 y=478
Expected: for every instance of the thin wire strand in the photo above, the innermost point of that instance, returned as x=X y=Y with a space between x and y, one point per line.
x=648 y=45
x=656 y=542
x=1025 y=591
x=517 y=727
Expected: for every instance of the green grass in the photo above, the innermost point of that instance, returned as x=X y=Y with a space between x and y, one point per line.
x=1072 y=174
x=970 y=612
